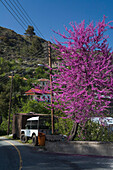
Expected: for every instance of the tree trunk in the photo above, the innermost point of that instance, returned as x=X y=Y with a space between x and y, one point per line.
x=73 y=131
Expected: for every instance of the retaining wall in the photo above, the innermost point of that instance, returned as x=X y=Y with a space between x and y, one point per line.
x=81 y=147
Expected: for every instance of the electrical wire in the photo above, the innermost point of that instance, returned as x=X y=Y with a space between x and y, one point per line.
x=29 y=18
x=12 y=14
x=32 y=59
x=23 y=69
x=39 y=52
x=15 y=13
x=18 y=12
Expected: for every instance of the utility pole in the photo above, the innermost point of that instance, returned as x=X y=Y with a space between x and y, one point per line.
x=51 y=92
x=10 y=103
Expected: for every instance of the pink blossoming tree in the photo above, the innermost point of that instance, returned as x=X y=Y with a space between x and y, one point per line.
x=84 y=78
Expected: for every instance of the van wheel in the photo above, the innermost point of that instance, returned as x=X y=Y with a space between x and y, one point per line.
x=23 y=138
x=35 y=140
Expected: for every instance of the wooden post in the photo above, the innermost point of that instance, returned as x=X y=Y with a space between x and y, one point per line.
x=50 y=65
x=10 y=102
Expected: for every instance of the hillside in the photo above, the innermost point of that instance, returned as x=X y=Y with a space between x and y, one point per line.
x=24 y=51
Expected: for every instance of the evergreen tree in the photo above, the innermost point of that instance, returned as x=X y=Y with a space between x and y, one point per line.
x=30 y=31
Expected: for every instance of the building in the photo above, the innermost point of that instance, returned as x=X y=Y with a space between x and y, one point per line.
x=43 y=82
x=37 y=93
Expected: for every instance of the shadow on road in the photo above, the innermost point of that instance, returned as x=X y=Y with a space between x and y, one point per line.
x=33 y=158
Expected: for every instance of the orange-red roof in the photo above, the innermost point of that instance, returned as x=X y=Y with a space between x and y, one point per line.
x=33 y=91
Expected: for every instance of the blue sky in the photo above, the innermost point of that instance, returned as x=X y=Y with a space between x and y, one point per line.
x=54 y=14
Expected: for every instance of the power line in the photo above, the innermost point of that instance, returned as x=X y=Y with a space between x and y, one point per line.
x=30 y=18
x=18 y=12
x=45 y=49
x=15 y=13
x=12 y=14
x=4 y=79
x=39 y=52
x=22 y=12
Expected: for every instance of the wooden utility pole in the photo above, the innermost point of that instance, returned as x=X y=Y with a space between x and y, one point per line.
x=10 y=103
x=50 y=65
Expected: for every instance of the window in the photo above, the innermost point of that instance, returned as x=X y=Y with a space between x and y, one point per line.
x=38 y=96
x=32 y=124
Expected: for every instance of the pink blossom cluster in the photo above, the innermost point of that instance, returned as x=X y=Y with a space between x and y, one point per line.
x=84 y=79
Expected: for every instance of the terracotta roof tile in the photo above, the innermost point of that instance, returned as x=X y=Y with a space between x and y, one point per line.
x=36 y=90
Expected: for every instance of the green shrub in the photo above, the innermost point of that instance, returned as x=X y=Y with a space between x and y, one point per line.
x=34 y=106
x=4 y=127
x=63 y=126
x=94 y=132
x=90 y=132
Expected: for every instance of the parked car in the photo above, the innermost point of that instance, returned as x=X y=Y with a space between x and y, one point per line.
x=32 y=131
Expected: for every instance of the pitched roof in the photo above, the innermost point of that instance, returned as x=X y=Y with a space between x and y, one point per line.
x=36 y=91
x=43 y=79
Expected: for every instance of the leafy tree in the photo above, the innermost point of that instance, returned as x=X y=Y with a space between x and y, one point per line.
x=4 y=98
x=3 y=127
x=41 y=72
x=34 y=106
x=84 y=76
x=30 y=31
x=19 y=87
x=5 y=66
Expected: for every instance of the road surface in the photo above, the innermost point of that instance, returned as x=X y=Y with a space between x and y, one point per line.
x=17 y=156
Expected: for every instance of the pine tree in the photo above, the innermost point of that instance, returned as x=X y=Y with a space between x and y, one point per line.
x=30 y=31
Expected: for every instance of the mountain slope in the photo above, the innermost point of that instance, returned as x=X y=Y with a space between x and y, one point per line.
x=25 y=51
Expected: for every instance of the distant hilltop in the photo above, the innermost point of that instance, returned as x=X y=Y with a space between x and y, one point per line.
x=25 y=50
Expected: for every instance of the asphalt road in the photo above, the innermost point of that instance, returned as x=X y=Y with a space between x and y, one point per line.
x=17 y=156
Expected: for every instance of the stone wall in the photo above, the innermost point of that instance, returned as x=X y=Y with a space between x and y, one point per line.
x=81 y=147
